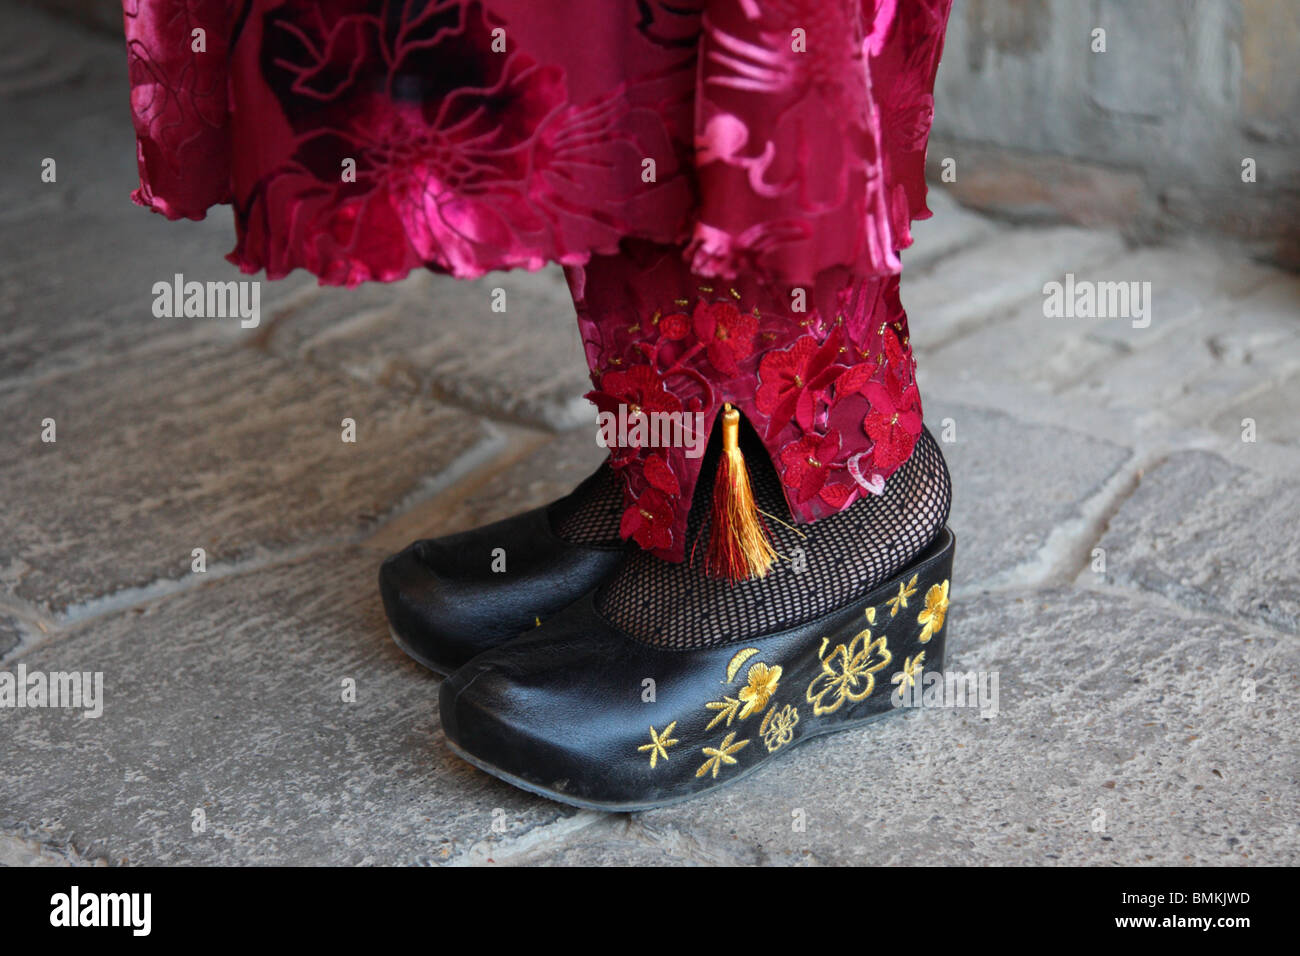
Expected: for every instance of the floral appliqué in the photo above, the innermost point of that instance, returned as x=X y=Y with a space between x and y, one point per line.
x=659 y=743
x=848 y=672
x=899 y=600
x=720 y=755
x=761 y=683
x=777 y=728
x=912 y=667
x=935 y=610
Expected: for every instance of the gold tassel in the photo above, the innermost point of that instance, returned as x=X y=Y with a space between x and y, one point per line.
x=740 y=546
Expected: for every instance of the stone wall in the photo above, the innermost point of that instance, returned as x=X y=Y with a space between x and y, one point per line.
x=1150 y=134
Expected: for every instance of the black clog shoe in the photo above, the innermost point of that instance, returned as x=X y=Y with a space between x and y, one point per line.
x=449 y=599
x=561 y=711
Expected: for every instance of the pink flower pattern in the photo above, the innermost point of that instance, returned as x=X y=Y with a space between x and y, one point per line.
x=492 y=134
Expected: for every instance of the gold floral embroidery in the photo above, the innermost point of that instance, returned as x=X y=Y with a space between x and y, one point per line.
x=777 y=727
x=727 y=709
x=871 y=615
x=720 y=755
x=848 y=673
x=760 y=685
x=738 y=660
x=659 y=743
x=899 y=600
x=935 y=610
x=763 y=681
x=911 y=670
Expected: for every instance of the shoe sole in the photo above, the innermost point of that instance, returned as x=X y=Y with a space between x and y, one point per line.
x=416 y=656
x=581 y=804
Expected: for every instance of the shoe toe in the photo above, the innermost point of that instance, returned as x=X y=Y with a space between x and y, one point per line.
x=518 y=712
x=422 y=608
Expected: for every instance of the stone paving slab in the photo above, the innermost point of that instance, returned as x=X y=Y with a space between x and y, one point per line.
x=11 y=633
x=1209 y=381
x=437 y=334
x=549 y=470
x=69 y=101
x=204 y=447
x=950 y=228
x=228 y=699
x=1271 y=409
x=1191 y=281
x=617 y=851
x=15 y=850
x=67 y=302
x=1122 y=737
x=1263 y=333
x=1015 y=484
x=1211 y=536
x=1243 y=347
x=77 y=259
x=1191 y=289
x=991 y=277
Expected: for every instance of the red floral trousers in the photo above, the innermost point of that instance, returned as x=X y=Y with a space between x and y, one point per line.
x=823 y=372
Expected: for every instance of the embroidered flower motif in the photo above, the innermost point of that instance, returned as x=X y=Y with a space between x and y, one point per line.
x=899 y=600
x=848 y=673
x=466 y=168
x=762 y=685
x=675 y=326
x=778 y=726
x=659 y=743
x=935 y=610
x=720 y=755
x=807 y=463
x=912 y=667
x=649 y=521
x=854 y=379
x=893 y=422
x=837 y=495
x=791 y=380
x=727 y=333
x=660 y=475
x=640 y=388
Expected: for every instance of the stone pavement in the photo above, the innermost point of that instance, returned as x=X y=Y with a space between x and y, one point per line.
x=1126 y=508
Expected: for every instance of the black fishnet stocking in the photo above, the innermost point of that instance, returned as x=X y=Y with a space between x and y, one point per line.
x=844 y=557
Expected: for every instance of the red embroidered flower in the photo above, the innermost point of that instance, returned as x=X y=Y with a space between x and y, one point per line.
x=660 y=475
x=649 y=521
x=895 y=357
x=791 y=380
x=636 y=391
x=854 y=379
x=727 y=332
x=893 y=422
x=675 y=326
x=837 y=496
x=640 y=388
x=808 y=463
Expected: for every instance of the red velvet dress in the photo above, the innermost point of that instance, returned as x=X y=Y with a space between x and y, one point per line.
x=728 y=183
